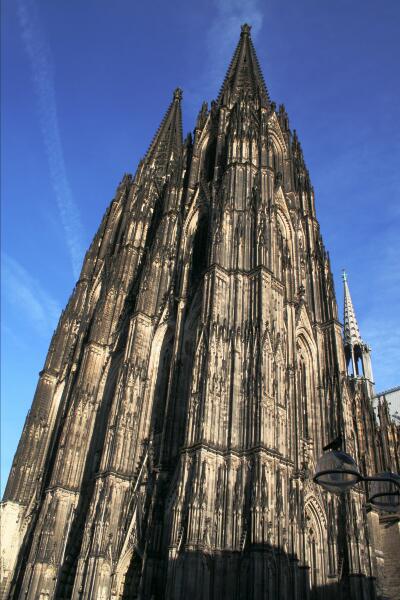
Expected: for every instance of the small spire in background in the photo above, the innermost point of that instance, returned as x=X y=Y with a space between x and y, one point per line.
x=351 y=330
x=356 y=350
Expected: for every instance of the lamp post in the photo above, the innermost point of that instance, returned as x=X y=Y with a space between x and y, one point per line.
x=337 y=472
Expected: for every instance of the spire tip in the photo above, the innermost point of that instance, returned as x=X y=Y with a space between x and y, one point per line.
x=344 y=275
x=178 y=94
x=246 y=29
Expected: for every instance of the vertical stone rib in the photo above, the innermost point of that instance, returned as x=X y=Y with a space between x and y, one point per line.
x=193 y=379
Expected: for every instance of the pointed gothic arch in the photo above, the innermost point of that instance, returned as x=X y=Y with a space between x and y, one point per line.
x=315 y=541
x=113 y=225
x=306 y=360
x=197 y=210
x=278 y=151
x=159 y=369
x=285 y=244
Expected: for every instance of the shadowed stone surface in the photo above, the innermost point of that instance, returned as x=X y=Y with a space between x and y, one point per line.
x=194 y=377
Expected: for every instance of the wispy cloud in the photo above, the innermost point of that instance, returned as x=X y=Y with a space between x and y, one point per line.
x=43 y=80
x=25 y=294
x=225 y=27
x=221 y=40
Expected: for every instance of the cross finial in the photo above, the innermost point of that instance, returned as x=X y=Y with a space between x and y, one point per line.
x=246 y=29
x=178 y=94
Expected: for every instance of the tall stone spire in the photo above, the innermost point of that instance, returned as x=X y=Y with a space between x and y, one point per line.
x=135 y=238
x=193 y=381
x=352 y=335
x=357 y=352
x=167 y=142
x=244 y=72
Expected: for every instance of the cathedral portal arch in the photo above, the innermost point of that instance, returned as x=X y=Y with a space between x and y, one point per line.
x=315 y=540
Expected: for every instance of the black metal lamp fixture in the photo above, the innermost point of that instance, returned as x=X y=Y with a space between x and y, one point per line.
x=337 y=472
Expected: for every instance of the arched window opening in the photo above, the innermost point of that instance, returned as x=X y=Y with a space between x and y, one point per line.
x=155 y=219
x=305 y=400
x=199 y=254
x=161 y=385
x=354 y=361
x=303 y=392
x=209 y=160
x=274 y=160
x=349 y=362
x=358 y=363
x=280 y=245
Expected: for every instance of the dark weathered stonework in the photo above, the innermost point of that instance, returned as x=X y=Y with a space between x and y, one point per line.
x=193 y=379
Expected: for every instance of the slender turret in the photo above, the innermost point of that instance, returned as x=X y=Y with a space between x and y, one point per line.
x=193 y=380
x=357 y=352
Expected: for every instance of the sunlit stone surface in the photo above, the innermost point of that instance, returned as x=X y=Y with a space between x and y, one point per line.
x=194 y=377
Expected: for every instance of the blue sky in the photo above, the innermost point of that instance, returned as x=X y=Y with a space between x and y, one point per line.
x=84 y=87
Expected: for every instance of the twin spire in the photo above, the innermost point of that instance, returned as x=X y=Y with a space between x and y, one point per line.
x=244 y=75
x=167 y=142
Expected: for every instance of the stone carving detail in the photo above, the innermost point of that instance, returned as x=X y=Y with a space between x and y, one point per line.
x=192 y=381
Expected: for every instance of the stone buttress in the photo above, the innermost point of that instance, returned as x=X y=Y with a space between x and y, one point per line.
x=194 y=378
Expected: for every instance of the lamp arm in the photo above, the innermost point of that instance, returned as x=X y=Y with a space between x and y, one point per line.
x=373 y=499
x=383 y=479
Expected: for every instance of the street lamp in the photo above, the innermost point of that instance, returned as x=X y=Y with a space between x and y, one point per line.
x=385 y=491
x=337 y=472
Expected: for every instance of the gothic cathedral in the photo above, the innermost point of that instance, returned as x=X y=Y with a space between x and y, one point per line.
x=192 y=382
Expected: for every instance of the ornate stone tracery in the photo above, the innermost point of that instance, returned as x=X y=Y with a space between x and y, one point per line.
x=193 y=380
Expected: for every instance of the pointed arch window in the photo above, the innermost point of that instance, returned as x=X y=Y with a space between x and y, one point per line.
x=305 y=398
x=303 y=391
x=199 y=254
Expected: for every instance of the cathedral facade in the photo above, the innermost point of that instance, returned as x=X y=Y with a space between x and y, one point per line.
x=193 y=380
